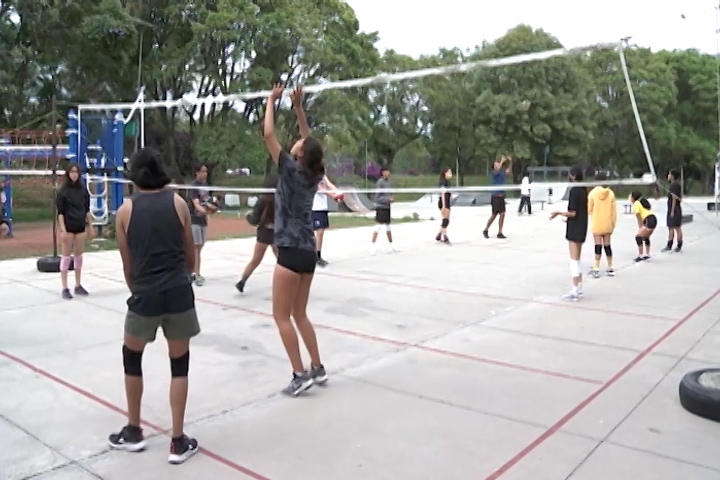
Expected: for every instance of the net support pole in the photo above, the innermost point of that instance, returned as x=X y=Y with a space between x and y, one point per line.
x=636 y=113
x=142 y=118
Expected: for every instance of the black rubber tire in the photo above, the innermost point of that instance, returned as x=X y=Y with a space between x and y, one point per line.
x=687 y=218
x=699 y=399
x=51 y=264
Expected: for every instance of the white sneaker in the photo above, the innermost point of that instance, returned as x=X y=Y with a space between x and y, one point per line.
x=393 y=249
x=571 y=297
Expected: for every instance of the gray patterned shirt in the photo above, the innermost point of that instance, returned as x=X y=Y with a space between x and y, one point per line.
x=293 y=206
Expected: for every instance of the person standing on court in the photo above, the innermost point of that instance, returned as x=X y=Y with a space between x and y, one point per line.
x=444 y=202
x=154 y=237
x=201 y=208
x=674 y=213
x=603 y=218
x=320 y=216
x=383 y=200
x=525 y=195
x=497 y=199
x=299 y=172
x=575 y=230
x=75 y=223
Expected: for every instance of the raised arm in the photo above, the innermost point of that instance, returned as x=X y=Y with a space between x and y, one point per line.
x=297 y=99
x=271 y=141
x=508 y=170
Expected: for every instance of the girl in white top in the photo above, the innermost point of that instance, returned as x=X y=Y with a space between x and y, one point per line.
x=320 y=218
x=525 y=196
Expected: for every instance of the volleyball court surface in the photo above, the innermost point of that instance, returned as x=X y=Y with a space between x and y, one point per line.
x=446 y=363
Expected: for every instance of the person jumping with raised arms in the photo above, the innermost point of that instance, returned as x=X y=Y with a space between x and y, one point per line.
x=299 y=174
x=497 y=199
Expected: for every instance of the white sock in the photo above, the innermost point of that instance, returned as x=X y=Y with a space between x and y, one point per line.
x=579 y=287
x=574 y=289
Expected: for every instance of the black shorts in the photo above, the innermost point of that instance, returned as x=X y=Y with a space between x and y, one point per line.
x=174 y=300
x=75 y=228
x=674 y=221
x=297 y=260
x=497 y=202
x=576 y=233
x=650 y=222
x=447 y=204
x=382 y=215
x=265 y=235
x=320 y=220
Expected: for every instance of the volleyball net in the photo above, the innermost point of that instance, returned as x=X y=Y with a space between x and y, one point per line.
x=97 y=133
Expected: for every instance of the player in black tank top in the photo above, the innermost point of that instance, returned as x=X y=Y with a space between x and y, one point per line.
x=156 y=245
x=444 y=205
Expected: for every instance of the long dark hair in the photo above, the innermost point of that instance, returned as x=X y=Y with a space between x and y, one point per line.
x=267 y=212
x=312 y=159
x=443 y=172
x=147 y=171
x=637 y=197
x=68 y=182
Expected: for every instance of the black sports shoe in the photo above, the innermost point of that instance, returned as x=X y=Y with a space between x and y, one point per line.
x=240 y=286
x=182 y=448
x=130 y=439
x=678 y=249
x=438 y=237
x=501 y=236
x=485 y=234
x=321 y=262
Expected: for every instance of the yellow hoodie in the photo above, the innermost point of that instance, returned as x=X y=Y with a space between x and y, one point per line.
x=601 y=207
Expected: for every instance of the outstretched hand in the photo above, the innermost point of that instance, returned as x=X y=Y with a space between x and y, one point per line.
x=554 y=215
x=297 y=96
x=277 y=92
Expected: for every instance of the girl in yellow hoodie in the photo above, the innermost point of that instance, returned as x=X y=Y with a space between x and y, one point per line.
x=603 y=212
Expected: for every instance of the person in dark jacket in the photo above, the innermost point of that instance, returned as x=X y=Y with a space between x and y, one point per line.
x=75 y=223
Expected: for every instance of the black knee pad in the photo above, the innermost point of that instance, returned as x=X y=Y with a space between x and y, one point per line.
x=598 y=249
x=647 y=241
x=639 y=240
x=445 y=222
x=132 y=362
x=608 y=250
x=180 y=366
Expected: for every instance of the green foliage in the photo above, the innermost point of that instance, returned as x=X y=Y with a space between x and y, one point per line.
x=577 y=107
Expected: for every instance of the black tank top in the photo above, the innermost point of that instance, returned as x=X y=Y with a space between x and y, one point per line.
x=155 y=237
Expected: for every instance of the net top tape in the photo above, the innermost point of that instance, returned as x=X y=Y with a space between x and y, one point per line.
x=250 y=190
x=382 y=78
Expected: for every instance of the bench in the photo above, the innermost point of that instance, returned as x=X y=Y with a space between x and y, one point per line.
x=627 y=208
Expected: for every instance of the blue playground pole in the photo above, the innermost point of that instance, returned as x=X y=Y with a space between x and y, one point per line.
x=72 y=135
x=117 y=189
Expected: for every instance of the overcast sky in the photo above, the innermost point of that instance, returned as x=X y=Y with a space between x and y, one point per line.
x=421 y=27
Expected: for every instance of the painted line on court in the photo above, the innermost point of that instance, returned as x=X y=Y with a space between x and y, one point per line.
x=100 y=401
x=574 y=306
x=398 y=343
x=582 y=405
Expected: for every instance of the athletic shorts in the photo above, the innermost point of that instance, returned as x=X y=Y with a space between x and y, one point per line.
x=320 y=220
x=75 y=228
x=382 y=216
x=497 y=203
x=675 y=221
x=199 y=234
x=440 y=207
x=297 y=260
x=265 y=235
x=650 y=222
x=172 y=309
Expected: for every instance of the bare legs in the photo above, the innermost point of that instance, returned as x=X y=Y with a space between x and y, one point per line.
x=258 y=255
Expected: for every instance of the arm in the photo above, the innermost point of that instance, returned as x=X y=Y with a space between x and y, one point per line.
x=297 y=97
x=184 y=213
x=88 y=216
x=442 y=196
x=271 y=141
x=61 y=204
x=121 y=238
x=328 y=183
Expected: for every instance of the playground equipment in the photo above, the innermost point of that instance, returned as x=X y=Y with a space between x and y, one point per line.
x=99 y=161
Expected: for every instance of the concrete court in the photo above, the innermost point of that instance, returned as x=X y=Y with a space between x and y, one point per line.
x=446 y=363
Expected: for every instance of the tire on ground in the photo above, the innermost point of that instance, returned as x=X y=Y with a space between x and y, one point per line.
x=51 y=264
x=700 y=393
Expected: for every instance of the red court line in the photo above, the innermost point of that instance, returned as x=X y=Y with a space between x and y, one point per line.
x=94 y=398
x=582 y=405
x=493 y=296
x=399 y=343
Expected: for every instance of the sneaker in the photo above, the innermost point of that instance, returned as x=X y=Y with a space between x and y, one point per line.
x=678 y=249
x=485 y=234
x=638 y=259
x=571 y=297
x=181 y=449
x=645 y=257
x=199 y=280
x=501 y=236
x=595 y=273
x=446 y=241
x=319 y=375
x=298 y=384
x=130 y=439
x=80 y=290
x=193 y=277
x=393 y=249
x=321 y=262
x=580 y=293
x=666 y=249
x=373 y=250
x=610 y=272
x=66 y=294
x=438 y=237
x=240 y=286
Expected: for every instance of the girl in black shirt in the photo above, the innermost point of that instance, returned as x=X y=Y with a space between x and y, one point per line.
x=262 y=217
x=576 y=230
x=74 y=220
x=444 y=205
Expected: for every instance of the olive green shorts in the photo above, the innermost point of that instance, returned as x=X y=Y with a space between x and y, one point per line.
x=173 y=310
